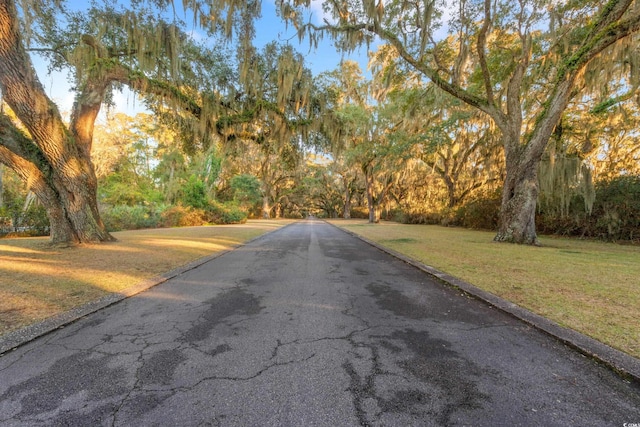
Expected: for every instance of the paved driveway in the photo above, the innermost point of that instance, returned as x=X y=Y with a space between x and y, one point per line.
x=307 y=326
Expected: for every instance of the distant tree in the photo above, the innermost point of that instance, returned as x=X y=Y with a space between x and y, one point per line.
x=246 y=191
x=522 y=76
x=323 y=192
x=276 y=115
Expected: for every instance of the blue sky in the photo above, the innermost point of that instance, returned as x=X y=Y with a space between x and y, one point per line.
x=324 y=58
x=268 y=28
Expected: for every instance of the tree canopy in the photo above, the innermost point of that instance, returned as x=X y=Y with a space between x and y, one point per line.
x=496 y=57
x=530 y=102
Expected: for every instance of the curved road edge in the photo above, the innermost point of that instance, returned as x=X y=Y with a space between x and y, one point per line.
x=22 y=336
x=627 y=366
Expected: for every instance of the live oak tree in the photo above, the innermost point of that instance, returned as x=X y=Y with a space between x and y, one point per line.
x=323 y=187
x=104 y=48
x=457 y=142
x=274 y=115
x=335 y=90
x=362 y=129
x=513 y=57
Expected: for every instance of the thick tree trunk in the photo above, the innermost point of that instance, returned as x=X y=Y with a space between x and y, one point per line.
x=266 y=207
x=372 y=203
x=346 y=214
x=451 y=192
x=61 y=156
x=377 y=213
x=518 y=209
x=60 y=228
x=520 y=190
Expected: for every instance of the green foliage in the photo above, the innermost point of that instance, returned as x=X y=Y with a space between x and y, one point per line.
x=617 y=209
x=35 y=220
x=246 y=190
x=15 y=220
x=32 y=222
x=194 y=193
x=132 y=217
x=12 y=205
x=123 y=187
x=226 y=213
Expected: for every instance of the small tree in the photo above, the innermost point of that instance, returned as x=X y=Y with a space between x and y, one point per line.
x=194 y=193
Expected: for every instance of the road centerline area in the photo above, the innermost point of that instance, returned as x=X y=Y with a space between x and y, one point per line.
x=306 y=326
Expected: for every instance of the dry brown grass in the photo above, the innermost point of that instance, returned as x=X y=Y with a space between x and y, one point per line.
x=39 y=281
x=591 y=287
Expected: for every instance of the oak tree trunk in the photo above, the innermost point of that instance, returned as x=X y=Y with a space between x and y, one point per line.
x=55 y=161
x=372 y=202
x=266 y=207
x=346 y=214
x=518 y=209
x=451 y=192
x=347 y=205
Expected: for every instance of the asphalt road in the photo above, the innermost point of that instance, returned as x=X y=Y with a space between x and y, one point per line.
x=307 y=326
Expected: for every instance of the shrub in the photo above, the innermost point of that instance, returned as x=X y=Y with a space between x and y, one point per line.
x=481 y=213
x=36 y=221
x=195 y=193
x=124 y=217
x=30 y=223
x=181 y=216
x=615 y=215
x=360 y=212
x=616 y=211
x=226 y=213
x=416 y=217
x=570 y=225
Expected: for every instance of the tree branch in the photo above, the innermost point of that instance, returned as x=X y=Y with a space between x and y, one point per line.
x=481 y=45
x=24 y=93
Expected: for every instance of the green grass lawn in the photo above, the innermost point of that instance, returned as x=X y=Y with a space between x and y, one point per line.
x=588 y=286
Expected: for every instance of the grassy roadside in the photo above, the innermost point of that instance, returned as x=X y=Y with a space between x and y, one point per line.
x=38 y=281
x=591 y=287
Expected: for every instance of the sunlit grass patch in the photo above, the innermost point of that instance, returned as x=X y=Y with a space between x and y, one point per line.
x=39 y=281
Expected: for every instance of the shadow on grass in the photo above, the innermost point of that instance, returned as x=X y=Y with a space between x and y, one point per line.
x=39 y=280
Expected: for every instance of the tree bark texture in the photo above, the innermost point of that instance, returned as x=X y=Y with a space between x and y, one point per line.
x=518 y=209
x=347 y=205
x=266 y=207
x=56 y=163
x=372 y=201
